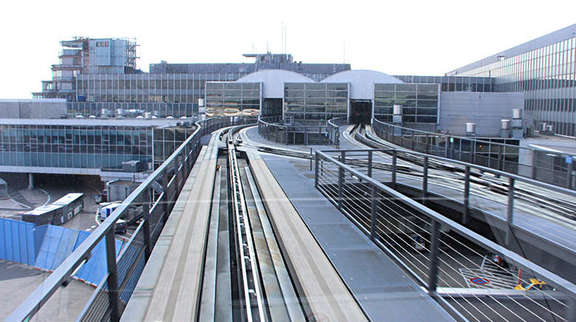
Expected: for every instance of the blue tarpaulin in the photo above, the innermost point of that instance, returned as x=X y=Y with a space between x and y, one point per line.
x=47 y=246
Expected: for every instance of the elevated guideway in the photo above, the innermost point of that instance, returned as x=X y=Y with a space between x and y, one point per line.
x=462 y=262
x=297 y=235
x=539 y=223
x=235 y=249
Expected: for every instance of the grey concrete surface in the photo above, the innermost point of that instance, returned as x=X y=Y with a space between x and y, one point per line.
x=382 y=289
x=18 y=281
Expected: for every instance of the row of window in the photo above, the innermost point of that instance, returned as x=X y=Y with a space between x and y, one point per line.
x=419 y=102
x=109 y=109
x=543 y=73
x=453 y=83
x=139 y=98
x=77 y=148
x=553 y=105
x=221 y=97
x=61 y=160
x=303 y=117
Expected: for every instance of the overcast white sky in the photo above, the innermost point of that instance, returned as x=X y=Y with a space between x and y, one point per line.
x=395 y=37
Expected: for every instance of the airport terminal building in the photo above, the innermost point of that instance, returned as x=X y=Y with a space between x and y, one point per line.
x=358 y=95
x=544 y=69
x=99 y=77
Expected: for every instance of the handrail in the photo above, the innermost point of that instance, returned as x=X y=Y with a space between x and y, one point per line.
x=466 y=138
x=64 y=271
x=279 y=132
x=471 y=165
x=437 y=220
x=508 y=157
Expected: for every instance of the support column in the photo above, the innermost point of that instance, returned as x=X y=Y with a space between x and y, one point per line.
x=30 y=181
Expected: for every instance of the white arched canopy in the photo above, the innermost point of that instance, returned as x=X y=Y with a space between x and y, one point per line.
x=273 y=81
x=362 y=82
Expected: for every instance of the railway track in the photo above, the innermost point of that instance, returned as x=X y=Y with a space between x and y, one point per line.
x=250 y=273
x=248 y=279
x=554 y=206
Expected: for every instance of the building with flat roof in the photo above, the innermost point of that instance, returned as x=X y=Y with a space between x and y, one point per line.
x=544 y=69
x=87 y=146
x=99 y=77
x=46 y=108
x=360 y=95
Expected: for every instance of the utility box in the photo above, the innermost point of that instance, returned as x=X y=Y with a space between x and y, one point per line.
x=134 y=166
x=120 y=189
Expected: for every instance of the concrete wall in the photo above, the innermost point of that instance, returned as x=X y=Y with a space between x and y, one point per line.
x=33 y=108
x=484 y=109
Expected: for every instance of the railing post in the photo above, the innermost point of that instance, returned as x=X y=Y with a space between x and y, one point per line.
x=146 y=224
x=570 y=167
x=466 y=217
x=446 y=149
x=473 y=151
x=434 y=250
x=500 y=158
x=317 y=172
x=164 y=183
x=394 y=166
x=373 y=210
x=425 y=181
x=427 y=144
x=571 y=309
x=341 y=180
x=510 y=211
x=340 y=187
x=311 y=157
x=113 y=292
x=370 y=163
x=490 y=155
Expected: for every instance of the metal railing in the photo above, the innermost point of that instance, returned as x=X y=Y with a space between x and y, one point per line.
x=451 y=262
x=155 y=198
x=272 y=129
x=549 y=167
x=507 y=188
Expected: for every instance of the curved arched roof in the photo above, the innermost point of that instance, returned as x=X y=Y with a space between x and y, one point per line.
x=361 y=81
x=273 y=81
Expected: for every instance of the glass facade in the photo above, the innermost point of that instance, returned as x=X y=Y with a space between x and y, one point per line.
x=453 y=83
x=313 y=102
x=161 y=95
x=167 y=140
x=419 y=102
x=91 y=147
x=545 y=70
x=231 y=98
x=64 y=146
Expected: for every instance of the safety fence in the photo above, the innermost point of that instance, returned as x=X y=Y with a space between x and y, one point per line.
x=154 y=198
x=471 y=276
x=496 y=153
x=46 y=246
x=273 y=129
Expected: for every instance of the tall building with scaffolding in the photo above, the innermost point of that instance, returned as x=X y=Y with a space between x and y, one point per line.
x=84 y=55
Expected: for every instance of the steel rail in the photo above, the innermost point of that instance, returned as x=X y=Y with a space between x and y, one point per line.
x=248 y=261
